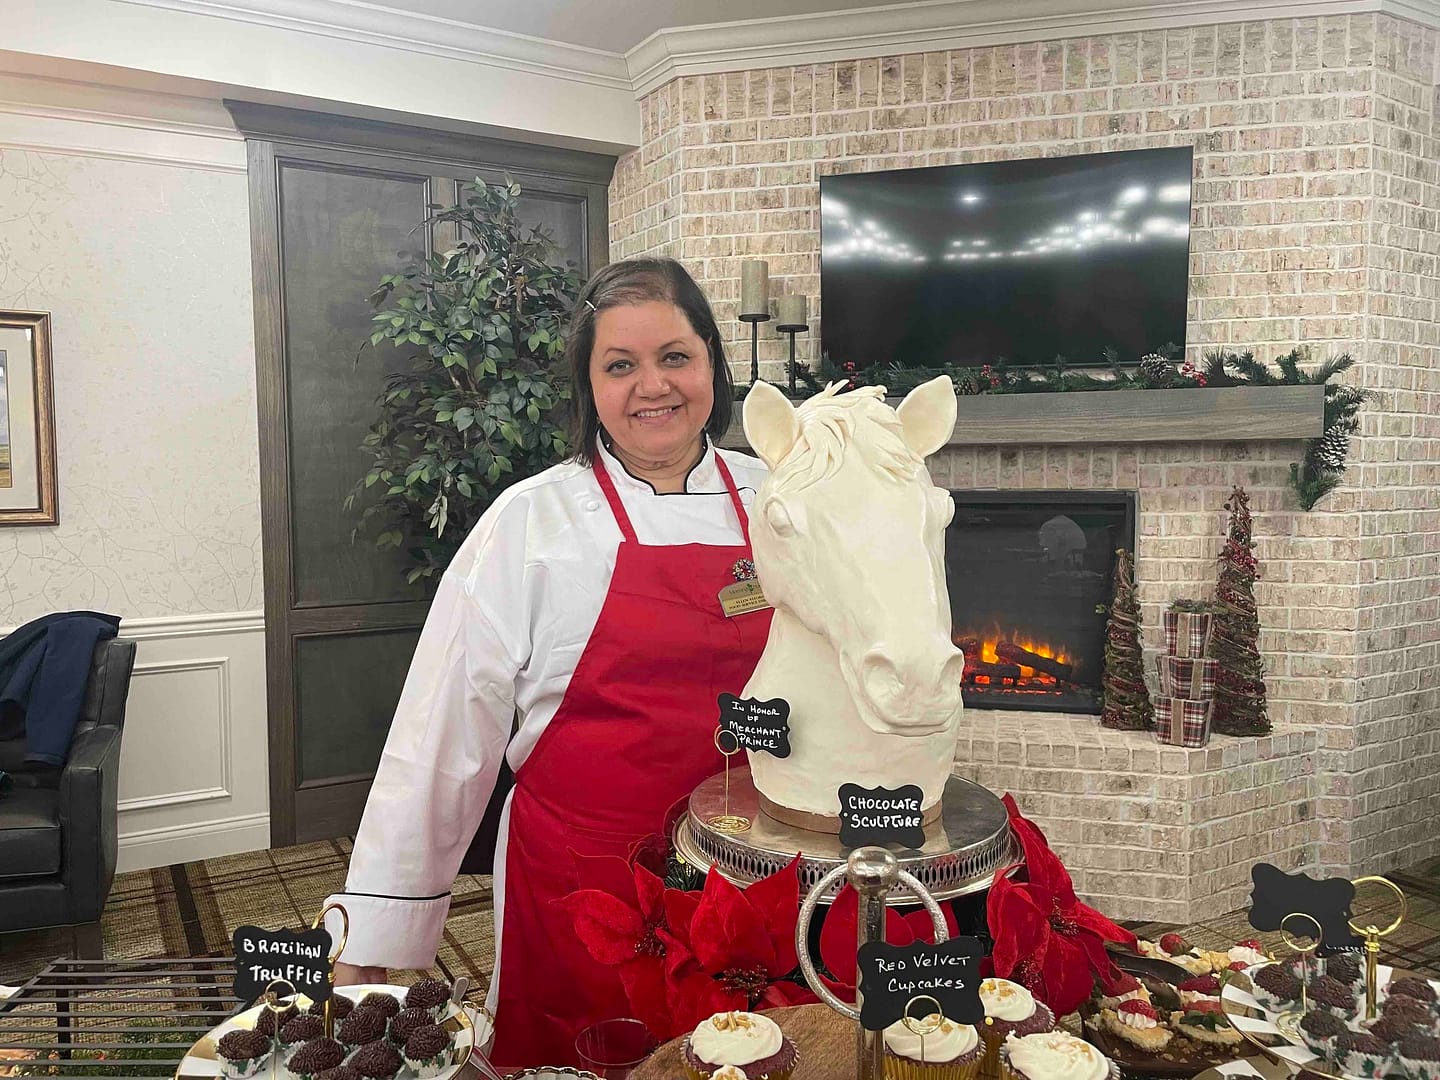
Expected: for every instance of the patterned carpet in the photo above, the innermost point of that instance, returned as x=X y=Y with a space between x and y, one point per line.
x=190 y=910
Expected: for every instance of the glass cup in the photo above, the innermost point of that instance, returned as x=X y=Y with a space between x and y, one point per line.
x=611 y=1048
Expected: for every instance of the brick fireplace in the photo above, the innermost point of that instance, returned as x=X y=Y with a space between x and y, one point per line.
x=1316 y=220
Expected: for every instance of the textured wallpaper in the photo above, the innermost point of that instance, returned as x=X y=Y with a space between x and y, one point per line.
x=145 y=269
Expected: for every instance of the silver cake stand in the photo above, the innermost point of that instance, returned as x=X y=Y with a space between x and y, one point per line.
x=963 y=848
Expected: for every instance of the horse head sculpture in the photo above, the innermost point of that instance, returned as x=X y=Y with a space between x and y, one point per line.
x=848 y=533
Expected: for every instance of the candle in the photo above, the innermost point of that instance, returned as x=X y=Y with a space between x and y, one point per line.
x=755 y=288
x=792 y=312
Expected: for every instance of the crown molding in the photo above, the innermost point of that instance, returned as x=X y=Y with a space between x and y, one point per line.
x=428 y=35
x=937 y=25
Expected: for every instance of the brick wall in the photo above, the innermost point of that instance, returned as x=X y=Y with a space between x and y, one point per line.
x=1314 y=221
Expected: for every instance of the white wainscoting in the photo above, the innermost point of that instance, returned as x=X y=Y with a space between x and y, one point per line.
x=194 y=767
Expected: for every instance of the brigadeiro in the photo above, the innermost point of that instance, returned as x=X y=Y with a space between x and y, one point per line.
x=315 y=1057
x=270 y=1021
x=341 y=1072
x=340 y=1007
x=1407 y=1009
x=406 y=1023
x=362 y=1027
x=376 y=1061
x=1344 y=967
x=1335 y=996
x=1420 y=1057
x=300 y=1030
x=432 y=995
x=1412 y=987
x=1274 y=986
x=1392 y=1029
x=243 y=1053
x=1360 y=1053
x=1319 y=1030
x=383 y=1003
x=427 y=1051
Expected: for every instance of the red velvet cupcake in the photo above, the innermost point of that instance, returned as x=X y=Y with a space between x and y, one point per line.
x=746 y=1041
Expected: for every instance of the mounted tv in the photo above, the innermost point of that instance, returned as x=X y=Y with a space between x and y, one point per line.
x=1021 y=260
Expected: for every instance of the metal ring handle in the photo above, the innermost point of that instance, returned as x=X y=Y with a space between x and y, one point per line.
x=722 y=730
x=272 y=1000
x=807 y=912
x=344 y=928
x=911 y=1021
x=1404 y=906
x=1286 y=936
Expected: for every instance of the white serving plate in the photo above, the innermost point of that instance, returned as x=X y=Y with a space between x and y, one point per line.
x=471 y=1026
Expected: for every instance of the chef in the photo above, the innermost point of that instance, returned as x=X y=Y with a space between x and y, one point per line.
x=586 y=604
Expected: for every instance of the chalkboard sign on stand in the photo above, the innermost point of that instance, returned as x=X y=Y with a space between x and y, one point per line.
x=759 y=726
x=881 y=815
x=892 y=976
x=266 y=956
x=1278 y=895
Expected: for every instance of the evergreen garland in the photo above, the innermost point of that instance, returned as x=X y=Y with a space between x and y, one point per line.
x=1319 y=472
x=1234 y=638
x=1126 y=701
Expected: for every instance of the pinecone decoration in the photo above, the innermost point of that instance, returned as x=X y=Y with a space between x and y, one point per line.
x=1333 y=448
x=1155 y=367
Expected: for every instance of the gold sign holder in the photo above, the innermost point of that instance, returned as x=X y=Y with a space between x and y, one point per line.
x=1372 y=941
x=1304 y=951
x=728 y=822
x=912 y=1023
x=344 y=937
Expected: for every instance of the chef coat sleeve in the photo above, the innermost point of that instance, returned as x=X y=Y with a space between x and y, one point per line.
x=442 y=755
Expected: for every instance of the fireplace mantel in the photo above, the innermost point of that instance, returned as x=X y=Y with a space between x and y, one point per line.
x=1229 y=414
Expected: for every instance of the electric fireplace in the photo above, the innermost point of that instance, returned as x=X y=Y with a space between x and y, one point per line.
x=1031 y=576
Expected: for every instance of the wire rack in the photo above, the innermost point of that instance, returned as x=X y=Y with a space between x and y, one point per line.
x=113 y=1018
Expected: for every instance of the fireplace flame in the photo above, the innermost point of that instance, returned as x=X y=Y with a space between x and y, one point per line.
x=993 y=635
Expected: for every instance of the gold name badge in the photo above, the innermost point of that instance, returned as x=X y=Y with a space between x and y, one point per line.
x=741 y=598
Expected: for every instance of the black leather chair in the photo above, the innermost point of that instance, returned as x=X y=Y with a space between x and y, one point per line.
x=58 y=825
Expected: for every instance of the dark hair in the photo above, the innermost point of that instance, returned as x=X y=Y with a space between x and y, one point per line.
x=623 y=284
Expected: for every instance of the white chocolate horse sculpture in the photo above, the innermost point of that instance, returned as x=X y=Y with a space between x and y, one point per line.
x=848 y=533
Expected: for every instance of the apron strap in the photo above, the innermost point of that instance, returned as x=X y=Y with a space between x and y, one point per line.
x=622 y=519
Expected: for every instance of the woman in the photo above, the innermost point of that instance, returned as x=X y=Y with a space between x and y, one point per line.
x=586 y=601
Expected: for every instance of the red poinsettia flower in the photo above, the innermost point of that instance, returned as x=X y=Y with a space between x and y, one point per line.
x=1045 y=938
x=731 y=949
x=838 y=937
x=620 y=920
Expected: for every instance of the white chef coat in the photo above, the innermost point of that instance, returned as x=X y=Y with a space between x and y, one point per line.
x=510 y=619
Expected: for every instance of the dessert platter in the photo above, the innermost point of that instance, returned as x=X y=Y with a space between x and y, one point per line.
x=381 y=1032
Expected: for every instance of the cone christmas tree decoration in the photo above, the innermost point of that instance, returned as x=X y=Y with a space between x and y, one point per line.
x=1126 y=700
x=1234 y=640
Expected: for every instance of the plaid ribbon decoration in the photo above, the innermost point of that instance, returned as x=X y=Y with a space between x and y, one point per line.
x=1183 y=677
x=1187 y=633
x=1182 y=722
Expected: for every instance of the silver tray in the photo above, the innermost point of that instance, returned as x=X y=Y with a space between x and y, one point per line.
x=963 y=849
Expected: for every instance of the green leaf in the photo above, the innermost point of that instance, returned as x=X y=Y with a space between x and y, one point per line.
x=464 y=418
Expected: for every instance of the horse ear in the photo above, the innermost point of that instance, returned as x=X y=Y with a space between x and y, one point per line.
x=927 y=415
x=770 y=423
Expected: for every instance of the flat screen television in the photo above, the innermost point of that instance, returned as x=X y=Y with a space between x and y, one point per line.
x=1025 y=260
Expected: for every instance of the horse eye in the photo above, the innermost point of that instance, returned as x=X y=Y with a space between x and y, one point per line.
x=779 y=518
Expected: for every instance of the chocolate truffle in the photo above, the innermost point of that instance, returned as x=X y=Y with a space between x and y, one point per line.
x=364 y=1025
x=270 y=1021
x=1391 y=1029
x=427 y=994
x=1322 y=1025
x=1420 y=1048
x=383 y=1003
x=406 y=1023
x=1333 y=994
x=1278 y=982
x=241 y=1045
x=302 y=1029
x=377 y=1061
x=1345 y=967
x=1412 y=987
x=340 y=1007
x=341 y=1072
x=426 y=1042
x=1360 y=1042
x=1406 y=1009
x=316 y=1056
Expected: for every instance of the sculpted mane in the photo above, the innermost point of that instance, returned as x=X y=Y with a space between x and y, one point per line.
x=830 y=422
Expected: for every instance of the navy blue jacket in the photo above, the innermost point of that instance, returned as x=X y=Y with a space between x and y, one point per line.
x=44 y=669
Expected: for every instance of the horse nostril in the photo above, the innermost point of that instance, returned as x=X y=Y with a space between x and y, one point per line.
x=881 y=677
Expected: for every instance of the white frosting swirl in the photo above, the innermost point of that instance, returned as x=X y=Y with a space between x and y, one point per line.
x=729 y=1072
x=1006 y=1000
x=945 y=1043
x=735 y=1038
x=1138 y=1020
x=1056 y=1055
x=1247 y=955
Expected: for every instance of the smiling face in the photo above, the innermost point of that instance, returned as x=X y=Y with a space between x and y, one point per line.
x=652 y=381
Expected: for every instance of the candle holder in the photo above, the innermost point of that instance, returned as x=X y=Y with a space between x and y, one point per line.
x=755 y=306
x=755 y=321
x=792 y=322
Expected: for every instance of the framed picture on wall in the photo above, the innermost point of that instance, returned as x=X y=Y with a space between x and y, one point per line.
x=27 y=421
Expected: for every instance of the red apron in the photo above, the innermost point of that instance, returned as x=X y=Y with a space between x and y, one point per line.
x=632 y=735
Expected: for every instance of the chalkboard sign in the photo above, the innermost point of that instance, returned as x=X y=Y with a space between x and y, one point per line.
x=892 y=975
x=262 y=956
x=1327 y=901
x=762 y=726
x=881 y=815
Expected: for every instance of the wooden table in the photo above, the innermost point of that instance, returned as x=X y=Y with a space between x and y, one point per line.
x=826 y=1041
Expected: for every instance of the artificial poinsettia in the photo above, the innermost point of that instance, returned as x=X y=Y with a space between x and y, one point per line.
x=838 y=945
x=1045 y=938
x=620 y=920
x=729 y=948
